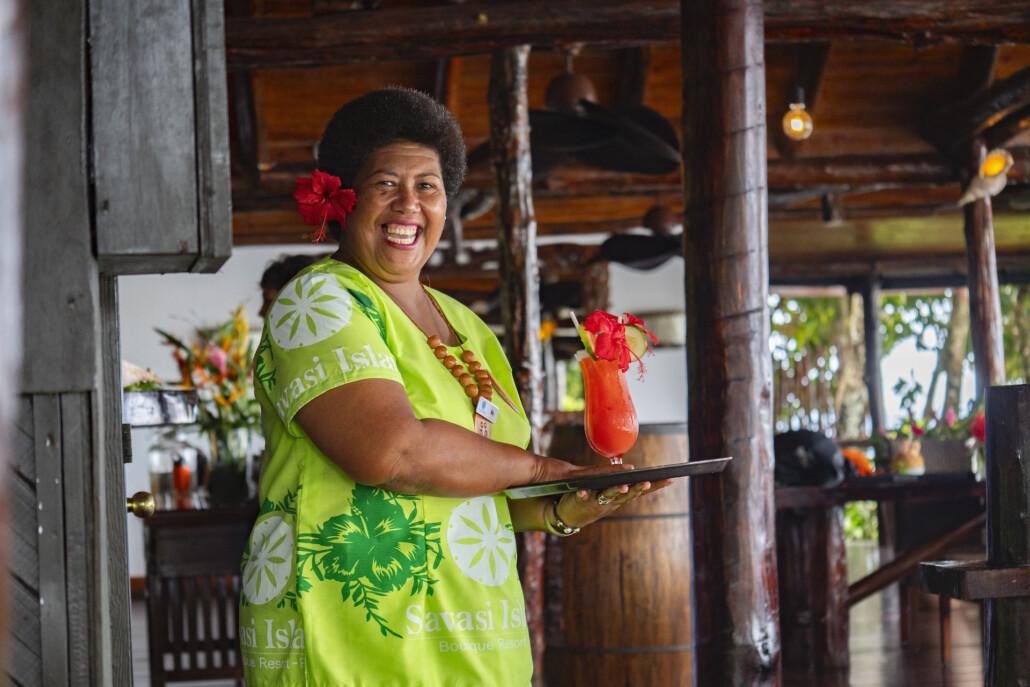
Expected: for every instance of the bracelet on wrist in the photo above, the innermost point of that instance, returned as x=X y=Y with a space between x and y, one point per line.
x=555 y=525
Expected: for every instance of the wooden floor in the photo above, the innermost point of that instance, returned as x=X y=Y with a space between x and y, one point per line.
x=878 y=659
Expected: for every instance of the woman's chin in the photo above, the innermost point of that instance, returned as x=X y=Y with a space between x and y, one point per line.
x=401 y=260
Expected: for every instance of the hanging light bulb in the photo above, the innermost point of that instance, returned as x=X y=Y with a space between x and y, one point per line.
x=996 y=162
x=797 y=123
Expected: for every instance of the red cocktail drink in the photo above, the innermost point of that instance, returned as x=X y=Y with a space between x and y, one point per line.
x=610 y=418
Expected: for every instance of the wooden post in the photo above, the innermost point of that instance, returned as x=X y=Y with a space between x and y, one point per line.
x=874 y=386
x=984 y=297
x=873 y=351
x=520 y=284
x=728 y=361
x=1007 y=621
x=813 y=572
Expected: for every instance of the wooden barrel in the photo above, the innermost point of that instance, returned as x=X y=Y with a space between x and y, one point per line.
x=619 y=608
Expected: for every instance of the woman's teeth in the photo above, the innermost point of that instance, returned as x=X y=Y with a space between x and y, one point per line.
x=401 y=234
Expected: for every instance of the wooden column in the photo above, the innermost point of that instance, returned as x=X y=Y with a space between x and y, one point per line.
x=984 y=298
x=813 y=572
x=728 y=359
x=520 y=284
x=1007 y=620
x=13 y=55
x=873 y=350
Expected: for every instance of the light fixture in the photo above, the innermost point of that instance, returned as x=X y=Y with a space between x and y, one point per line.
x=797 y=123
x=990 y=178
x=995 y=162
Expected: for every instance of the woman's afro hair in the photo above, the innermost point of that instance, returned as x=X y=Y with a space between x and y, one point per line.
x=386 y=116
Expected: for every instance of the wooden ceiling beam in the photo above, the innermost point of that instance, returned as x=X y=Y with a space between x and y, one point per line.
x=631 y=79
x=920 y=169
x=952 y=127
x=1007 y=129
x=243 y=145
x=447 y=30
x=282 y=224
x=977 y=64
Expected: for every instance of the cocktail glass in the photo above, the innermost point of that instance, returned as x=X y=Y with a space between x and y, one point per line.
x=610 y=419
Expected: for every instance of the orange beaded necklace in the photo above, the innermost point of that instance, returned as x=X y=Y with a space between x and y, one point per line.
x=477 y=381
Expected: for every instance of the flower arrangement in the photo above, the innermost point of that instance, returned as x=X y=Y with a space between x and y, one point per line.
x=620 y=340
x=217 y=363
x=910 y=438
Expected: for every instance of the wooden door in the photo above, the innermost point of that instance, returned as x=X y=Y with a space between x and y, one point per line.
x=69 y=611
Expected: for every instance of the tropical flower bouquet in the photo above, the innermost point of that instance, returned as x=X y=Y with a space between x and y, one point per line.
x=949 y=439
x=216 y=361
x=611 y=344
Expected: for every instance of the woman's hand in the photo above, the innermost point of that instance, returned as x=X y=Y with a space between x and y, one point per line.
x=581 y=508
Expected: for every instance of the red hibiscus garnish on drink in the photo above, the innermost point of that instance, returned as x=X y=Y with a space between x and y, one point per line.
x=321 y=200
x=621 y=341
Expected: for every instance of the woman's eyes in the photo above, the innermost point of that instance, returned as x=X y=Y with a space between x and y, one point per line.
x=389 y=183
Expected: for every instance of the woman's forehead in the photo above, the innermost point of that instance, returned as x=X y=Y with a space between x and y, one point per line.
x=404 y=155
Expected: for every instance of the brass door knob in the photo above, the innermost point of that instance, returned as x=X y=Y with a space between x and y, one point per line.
x=141 y=504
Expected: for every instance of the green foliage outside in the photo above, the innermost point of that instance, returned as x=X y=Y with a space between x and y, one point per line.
x=860 y=521
x=923 y=317
x=573 y=397
x=1015 y=327
x=805 y=357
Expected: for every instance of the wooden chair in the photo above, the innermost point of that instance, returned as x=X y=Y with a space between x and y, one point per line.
x=922 y=522
x=192 y=593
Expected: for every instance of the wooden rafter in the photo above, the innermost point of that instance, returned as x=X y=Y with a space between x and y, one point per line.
x=631 y=81
x=952 y=128
x=1007 y=129
x=976 y=69
x=243 y=144
x=812 y=176
x=445 y=30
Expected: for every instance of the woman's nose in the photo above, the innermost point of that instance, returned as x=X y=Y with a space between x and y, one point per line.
x=406 y=199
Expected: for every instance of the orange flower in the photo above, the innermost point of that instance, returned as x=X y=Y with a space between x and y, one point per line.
x=859 y=461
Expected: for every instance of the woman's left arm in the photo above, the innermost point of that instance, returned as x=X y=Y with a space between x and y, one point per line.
x=576 y=509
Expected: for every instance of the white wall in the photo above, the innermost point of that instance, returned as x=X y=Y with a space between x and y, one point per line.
x=662 y=395
x=179 y=303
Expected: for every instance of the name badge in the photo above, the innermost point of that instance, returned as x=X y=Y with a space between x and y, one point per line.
x=487 y=410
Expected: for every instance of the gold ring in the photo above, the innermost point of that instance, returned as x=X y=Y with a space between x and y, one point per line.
x=603 y=500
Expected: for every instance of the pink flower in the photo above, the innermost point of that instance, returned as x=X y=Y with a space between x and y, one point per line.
x=217 y=357
x=950 y=418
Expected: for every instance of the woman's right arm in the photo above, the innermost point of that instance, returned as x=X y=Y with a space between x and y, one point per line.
x=368 y=429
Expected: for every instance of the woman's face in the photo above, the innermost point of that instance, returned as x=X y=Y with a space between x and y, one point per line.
x=400 y=212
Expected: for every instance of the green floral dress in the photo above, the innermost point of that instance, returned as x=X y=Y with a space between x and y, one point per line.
x=350 y=585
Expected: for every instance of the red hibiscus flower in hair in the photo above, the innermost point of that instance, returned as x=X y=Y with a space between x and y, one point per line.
x=321 y=200
x=609 y=338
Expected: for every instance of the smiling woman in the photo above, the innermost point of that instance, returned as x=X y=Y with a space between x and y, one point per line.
x=384 y=552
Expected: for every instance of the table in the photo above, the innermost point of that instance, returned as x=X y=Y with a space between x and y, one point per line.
x=812 y=562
